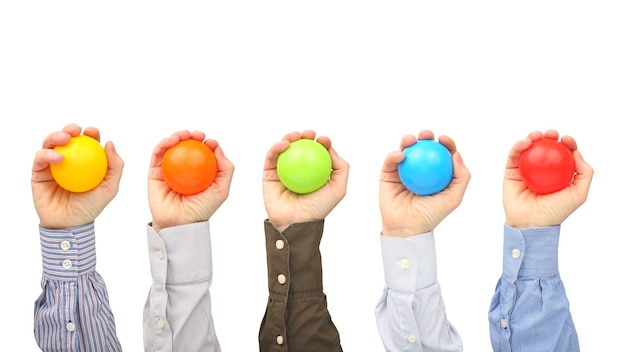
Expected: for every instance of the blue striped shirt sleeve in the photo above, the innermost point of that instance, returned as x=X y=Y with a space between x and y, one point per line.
x=73 y=312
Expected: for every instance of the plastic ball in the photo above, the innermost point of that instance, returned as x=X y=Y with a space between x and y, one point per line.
x=547 y=166
x=189 y=167
x=84 y=164
x=304 y=167
x=427 y=167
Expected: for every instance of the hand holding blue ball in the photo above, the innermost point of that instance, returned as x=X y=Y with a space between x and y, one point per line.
x=427 y=167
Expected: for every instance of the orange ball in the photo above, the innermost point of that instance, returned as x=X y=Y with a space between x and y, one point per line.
x=189 y=167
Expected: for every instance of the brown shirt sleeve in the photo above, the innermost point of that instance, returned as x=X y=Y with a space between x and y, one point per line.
x=296 y=317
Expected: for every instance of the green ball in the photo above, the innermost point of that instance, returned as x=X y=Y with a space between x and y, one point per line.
x=304 y=167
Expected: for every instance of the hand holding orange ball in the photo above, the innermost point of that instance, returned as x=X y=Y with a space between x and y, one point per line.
x=189 y=167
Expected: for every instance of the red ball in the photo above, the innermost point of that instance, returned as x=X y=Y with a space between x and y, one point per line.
x=547 y=166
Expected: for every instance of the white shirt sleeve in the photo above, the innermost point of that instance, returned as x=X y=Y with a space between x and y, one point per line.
x=177 y=314
x=411 y=314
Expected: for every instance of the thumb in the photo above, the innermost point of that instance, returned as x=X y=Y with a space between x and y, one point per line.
x=115 y=162
x=584 y=174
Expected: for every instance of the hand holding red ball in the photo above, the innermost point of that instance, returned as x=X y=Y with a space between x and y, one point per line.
x=547 y=166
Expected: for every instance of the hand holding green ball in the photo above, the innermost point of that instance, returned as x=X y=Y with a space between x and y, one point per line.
x=304 y=167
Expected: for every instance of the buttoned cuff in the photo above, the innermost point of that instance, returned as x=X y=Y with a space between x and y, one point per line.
x=293 y=258
x=67 y=254
x=180 y=254
x=531 y=252
x=409 y=264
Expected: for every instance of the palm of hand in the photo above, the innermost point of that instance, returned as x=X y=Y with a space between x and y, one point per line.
x=525 y=208
x=58 y=208
x=411 y=214
x=170 y=208
x=285 y=207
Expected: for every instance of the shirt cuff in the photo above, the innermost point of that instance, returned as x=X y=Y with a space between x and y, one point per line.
x=293 y=257
x=409 y=264
x=67 y=254
x=531 y=252
x=181 y=254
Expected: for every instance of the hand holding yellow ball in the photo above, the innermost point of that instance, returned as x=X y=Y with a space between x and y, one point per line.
x=84 y=164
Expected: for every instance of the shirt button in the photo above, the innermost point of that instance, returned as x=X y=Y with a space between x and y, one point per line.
x=160 y=323
x=70 y=326
x=515 y=253
x=67 y=264
x=412 y=338
x=279 y=340
x=504 y=323
x=280 y=244
x=159 y=254
x=405 y=263
x=65 y=245
x=282 y=279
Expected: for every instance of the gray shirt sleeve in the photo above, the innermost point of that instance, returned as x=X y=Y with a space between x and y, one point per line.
x=177 y=314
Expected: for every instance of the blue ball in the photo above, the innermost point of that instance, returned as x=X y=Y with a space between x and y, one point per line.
x=427 y=167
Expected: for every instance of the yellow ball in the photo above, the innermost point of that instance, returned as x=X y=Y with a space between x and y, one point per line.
x=84 y=164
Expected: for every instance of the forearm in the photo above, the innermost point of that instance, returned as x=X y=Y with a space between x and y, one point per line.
x=73 y=312
x=177 y=314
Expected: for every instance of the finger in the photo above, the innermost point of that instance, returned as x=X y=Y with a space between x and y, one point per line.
x=198 y=135
x=115 y=163
x=389 y=170
x=272 y=155
x=292 y=136
x=426 y=134
x=569 y=142
x=43 y=158
x=407 y=141
x=225 y=168
x=458 y=185
x=211 y=143
x=308 y=134
x=325 y=141
x=392 y=160
x=183 y=134
x=462 y=174
x=584 y=174
x=535 y=135
x=516 y=151
x=340 y=171
x=338 y=163
x=448 y=143
x=164 y=145
x=551 y=134
x=92 y=132
x=56 y=138
x=72 y=129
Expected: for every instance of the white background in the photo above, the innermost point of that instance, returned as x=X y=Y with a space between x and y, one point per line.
x=363 y=73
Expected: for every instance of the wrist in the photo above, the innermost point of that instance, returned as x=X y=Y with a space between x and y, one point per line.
x=518 y=225
x=61 y=226
x=404 y=232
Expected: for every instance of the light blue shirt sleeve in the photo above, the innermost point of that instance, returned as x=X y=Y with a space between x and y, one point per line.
x=530 y=310
x=411 y=315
